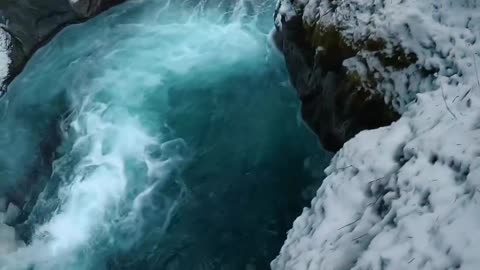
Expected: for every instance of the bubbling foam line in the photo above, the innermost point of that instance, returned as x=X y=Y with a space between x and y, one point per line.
x=93 y=190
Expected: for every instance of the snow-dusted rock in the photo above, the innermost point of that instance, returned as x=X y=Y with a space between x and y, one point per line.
x=4 y=57
x=404 y=196
x=336 y=102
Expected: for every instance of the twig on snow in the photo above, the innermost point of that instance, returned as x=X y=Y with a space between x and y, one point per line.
x=476 y=69
x=349 y=224
x=446 y=105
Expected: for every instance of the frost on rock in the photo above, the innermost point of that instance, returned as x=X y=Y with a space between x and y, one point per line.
x=406 y=196
x=4 y=56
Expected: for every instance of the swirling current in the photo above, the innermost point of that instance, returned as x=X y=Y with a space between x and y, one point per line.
x=159 y=135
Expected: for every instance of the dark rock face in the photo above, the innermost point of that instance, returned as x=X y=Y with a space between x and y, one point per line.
x=32 y=23
x=335 y=104
x=89 y=8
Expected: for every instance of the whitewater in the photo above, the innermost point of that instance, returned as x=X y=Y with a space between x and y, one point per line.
x=159 y=135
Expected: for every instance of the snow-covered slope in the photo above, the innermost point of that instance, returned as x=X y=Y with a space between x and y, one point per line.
x=405 y=196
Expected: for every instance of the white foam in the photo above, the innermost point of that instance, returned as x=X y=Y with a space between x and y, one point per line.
x=114 y=125
x=8 y=243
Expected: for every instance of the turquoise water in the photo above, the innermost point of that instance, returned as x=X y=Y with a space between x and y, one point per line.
x=160 y=135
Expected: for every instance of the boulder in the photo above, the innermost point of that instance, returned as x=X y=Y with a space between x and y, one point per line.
x=323 y=62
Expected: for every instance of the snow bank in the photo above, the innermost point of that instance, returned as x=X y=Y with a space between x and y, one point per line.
x=404 y=196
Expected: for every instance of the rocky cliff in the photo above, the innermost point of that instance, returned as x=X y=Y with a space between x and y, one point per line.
x=26 y=25
x=404 y=196
x=345 y=78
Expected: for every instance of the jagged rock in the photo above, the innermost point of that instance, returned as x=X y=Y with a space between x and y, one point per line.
x=403 y=196
x=336 y=102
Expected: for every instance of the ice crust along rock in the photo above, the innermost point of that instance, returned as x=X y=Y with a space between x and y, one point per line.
x=404 y=196
x=4 y=55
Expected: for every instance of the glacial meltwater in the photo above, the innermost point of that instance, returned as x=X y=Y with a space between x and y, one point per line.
x=162 y=134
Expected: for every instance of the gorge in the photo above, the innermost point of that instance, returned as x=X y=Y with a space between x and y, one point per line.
x=165 y=134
